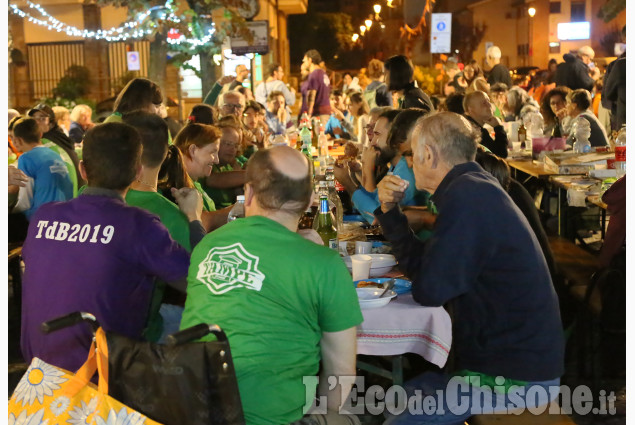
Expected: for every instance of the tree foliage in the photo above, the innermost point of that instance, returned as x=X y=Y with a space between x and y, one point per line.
x=466 y=38
x=611 y=9
x=74 y=84
x=328 y=33
x=195 y=18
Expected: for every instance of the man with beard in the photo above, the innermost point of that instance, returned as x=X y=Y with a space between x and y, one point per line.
x=377 y=160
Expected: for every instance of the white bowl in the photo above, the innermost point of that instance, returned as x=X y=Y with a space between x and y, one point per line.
x=369 y=297
x=379 y=271
x=379 y=260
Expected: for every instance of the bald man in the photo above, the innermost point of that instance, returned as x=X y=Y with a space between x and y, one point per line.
x=282 y=313
x=485 y=261
x=242 y=72
x=478 y=110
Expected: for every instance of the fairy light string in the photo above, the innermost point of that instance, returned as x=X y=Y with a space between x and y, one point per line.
x=128 y=30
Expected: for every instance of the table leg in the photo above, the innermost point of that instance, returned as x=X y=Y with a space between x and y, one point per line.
x=397 y=370
x=559 y=212
x=395 y=375
x=603 y=230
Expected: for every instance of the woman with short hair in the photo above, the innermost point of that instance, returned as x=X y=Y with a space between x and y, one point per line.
x=578 y=104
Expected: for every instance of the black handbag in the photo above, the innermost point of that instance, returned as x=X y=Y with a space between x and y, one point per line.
x=179 y=383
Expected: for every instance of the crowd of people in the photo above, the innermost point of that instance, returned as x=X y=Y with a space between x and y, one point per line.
x=135 y=228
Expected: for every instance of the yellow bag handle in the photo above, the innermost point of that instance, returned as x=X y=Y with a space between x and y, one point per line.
x=102 y=360
x=97 y=361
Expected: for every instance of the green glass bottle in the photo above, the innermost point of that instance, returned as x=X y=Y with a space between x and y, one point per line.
x=325 y=227
x=305 y=136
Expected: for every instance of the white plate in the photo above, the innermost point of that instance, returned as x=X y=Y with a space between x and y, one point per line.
x=368 y=297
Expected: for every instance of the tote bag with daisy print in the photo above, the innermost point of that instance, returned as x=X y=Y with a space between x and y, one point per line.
x=50 y=395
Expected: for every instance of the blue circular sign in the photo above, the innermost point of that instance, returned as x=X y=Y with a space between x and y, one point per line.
x=441 y=26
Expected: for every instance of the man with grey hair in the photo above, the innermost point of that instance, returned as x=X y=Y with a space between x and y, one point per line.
x=484 y=261
x=313 y=308
x=578 y=70
x=499 y=72
x=233 y=103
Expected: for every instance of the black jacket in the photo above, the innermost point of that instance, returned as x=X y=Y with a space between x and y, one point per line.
x=414 y=97
x=499 y=74
x=484 y=258
x=525 y=203
x=614 y=92
x=60 y=139
x=497 y=146
x=573 y=73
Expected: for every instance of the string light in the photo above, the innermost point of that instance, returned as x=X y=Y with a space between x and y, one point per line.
x=130 y=29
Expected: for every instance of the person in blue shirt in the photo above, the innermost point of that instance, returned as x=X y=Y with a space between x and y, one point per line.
x=48 y=178
x=391 y=152
x=277 y=116
x=340 y=123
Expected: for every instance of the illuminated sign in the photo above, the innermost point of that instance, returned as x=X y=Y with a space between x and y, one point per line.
x=574 y=31
x=441 y=33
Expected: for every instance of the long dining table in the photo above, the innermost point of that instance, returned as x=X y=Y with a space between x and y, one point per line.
x=404 y=326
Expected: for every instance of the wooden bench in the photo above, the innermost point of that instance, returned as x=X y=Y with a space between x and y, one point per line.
x=573 y=263
x=576 y=265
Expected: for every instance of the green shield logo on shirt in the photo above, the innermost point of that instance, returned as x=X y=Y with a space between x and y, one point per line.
x=230 y=267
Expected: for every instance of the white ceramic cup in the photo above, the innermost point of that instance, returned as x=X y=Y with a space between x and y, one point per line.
x=363 y=247
x=361 y=266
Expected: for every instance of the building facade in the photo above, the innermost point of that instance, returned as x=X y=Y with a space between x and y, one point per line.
x=47 y=54
x=556 y=28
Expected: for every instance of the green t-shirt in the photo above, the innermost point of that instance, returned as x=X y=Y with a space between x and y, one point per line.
x=208 y=203
x=72 y=173
x=170 y=215
x=114 y=117
x=273 y=293
x=222 y=197
x=178 y=225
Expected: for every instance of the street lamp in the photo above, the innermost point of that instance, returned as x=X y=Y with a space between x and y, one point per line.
x=531 y=12
x=377 y=9
x=368 y=23
x=389 y=3
x=362 y=29
x=355 y=37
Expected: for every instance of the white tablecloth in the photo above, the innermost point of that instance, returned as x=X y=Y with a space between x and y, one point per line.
x=403 y=326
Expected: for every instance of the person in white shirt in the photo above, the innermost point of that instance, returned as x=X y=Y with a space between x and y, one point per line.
x=274 y=83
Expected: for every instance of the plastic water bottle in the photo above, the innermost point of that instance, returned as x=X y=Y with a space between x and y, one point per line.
x=582 y=134
x=238 y=210
x=620 y=152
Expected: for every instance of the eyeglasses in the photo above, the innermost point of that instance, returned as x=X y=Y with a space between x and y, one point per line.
x=236 y=106
x=41 y=118
x=228 y=144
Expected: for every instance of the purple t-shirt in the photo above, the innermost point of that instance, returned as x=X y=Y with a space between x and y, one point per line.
x=93 y=254
x=319 y=81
